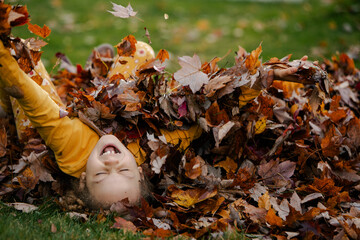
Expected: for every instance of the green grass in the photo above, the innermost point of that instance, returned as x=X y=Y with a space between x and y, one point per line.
x=37 y=225
x=208 y=28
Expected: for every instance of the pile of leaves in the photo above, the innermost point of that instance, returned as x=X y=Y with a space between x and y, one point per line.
x=278 y=163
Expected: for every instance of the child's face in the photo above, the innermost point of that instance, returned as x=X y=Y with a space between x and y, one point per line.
x=112 y=173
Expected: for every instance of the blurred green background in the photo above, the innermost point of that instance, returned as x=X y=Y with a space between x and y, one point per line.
x=208 y=28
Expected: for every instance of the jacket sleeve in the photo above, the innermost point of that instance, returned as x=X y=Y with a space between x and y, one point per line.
x=70 y=139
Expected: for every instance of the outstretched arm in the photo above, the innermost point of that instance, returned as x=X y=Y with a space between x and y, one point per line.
x=71 y=140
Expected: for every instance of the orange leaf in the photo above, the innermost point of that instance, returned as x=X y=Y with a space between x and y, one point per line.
x=43 y=32
x=273 y=219
x=229 y=165
x=127 y=47
x=252 y=61
x=331 y=142
x=4 y=15
x=163 y=55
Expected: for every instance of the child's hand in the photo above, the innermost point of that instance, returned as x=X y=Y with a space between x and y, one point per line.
x=287 y=74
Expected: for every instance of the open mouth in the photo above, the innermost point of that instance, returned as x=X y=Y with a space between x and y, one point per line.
x=109 y=149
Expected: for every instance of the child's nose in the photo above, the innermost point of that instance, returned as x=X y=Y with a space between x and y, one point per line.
x=111 y=161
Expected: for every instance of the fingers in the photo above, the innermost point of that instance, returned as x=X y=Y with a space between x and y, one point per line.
x=304 y=58
x=281 y=73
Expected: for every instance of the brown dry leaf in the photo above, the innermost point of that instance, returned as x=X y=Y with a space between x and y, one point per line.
x=162 y=55
x=121 y=223
x=28 y=180
x=353 y=131
x=188 y=198
x=216 y=84
x=4 y=15
x=193 y=168
x=229 y=165
x=43 y=32
x=273 y=219
x=53 y=228
x=331 y=142
x=3 y=141
x=348 y=63
x=252 y=61
x=127 y=47
x=214 y=116
x=273 y=170
x=325 y=186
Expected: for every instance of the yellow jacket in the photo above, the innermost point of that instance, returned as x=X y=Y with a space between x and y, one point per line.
x=71 y=140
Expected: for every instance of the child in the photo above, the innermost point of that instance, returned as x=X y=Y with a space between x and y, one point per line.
x=106 y=168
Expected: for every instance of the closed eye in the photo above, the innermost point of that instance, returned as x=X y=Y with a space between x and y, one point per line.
x=100 y=173
x=124 y=170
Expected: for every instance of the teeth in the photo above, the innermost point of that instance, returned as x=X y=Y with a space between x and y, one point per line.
x=109 y=152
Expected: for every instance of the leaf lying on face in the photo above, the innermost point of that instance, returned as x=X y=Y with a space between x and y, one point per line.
x=281 y=162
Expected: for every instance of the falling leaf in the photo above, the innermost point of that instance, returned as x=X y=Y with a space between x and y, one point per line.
x=122 y=12
x=190 y=74
x=162 y=55
x=43 y=32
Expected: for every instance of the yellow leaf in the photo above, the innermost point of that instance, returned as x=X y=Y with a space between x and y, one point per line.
x=247 y=94
x=264 y=201
x=260 y=125
x=190 y=197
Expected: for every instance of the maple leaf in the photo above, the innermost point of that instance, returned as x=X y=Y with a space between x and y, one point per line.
x=190 y=74
x=43 y=32
x=122 y=12
x=252 y=61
